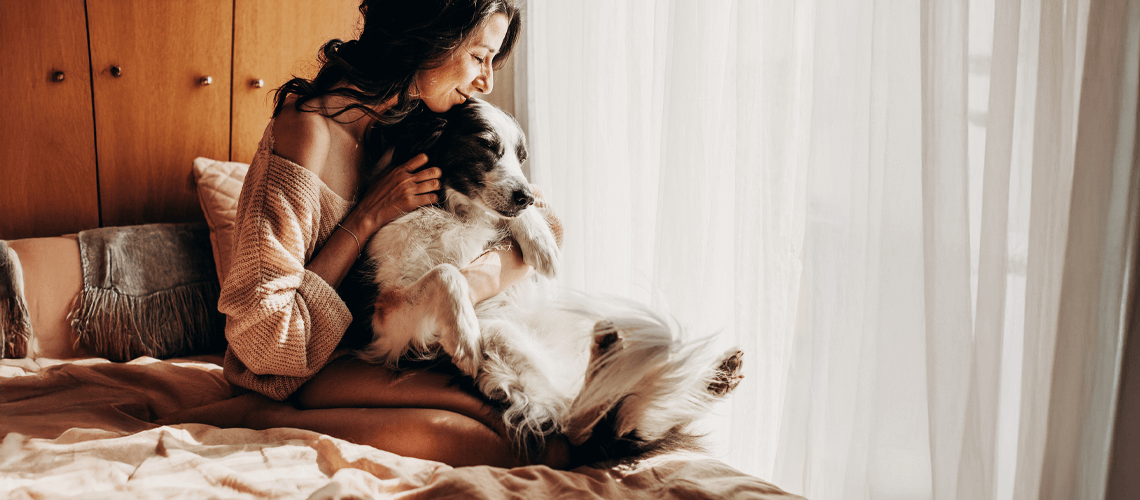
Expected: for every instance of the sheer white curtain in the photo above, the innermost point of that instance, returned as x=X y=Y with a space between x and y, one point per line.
x=913 y=216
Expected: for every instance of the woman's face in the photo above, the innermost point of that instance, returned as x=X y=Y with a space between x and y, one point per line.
x=467 y=71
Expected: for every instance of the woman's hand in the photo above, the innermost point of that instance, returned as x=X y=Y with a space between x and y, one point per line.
x=398 y=192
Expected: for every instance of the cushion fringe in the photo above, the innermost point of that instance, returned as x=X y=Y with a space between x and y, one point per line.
x=15 y=322
x=162 y=324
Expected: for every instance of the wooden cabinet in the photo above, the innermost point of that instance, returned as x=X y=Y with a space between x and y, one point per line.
x=155 y=113
x=47 y=141
x=113 y=142
x=273 y=41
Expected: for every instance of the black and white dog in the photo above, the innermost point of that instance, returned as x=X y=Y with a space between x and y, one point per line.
x=612 y=376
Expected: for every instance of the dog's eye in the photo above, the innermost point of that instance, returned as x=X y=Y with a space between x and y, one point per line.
x=490 y=142
x=520 y=152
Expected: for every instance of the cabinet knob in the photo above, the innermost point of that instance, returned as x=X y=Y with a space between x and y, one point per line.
x=258 y=83
x=57 y=76
x=116 y=71
x=206 y=80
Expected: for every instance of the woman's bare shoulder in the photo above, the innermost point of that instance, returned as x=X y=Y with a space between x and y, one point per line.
x=302 y=137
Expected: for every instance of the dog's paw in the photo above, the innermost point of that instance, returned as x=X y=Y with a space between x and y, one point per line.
x=532 y=415
x=542 y=253
x=539 y=247
x=531 y=412
x=727 y=373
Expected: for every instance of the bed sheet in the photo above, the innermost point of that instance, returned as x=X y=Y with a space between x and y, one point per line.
x=83 y=429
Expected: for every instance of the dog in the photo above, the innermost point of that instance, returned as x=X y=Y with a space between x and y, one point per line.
x=615 y=378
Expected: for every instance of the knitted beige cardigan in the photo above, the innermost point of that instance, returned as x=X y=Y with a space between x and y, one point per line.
x=283 y=322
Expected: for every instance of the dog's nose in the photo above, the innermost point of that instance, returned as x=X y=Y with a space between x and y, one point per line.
x=523 y=198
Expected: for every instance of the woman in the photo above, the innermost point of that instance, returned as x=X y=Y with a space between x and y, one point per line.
x=304 y=213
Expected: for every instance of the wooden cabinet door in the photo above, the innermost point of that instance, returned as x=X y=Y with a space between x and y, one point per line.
x=274 y=40
x=47 y=142
x=154 y=114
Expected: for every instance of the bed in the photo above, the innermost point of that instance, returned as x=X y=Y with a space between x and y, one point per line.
x=82 y=426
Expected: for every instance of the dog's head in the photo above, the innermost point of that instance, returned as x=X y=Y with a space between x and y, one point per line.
x=480 y=150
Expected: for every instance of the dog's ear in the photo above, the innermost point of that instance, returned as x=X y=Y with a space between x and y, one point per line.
x=411 y=136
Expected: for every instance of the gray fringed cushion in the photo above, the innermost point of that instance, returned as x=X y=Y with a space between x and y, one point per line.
x=148 y=290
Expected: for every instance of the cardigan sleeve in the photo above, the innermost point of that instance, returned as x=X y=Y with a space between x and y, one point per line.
x=282 y=319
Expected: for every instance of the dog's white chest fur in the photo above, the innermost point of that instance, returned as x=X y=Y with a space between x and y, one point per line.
x=412 y=245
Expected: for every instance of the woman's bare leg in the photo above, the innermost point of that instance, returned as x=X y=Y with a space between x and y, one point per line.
x=413 y=413
x=426 y=433
x=429 y=434
x=351 y=383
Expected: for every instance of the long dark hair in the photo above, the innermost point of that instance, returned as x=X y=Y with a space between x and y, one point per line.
x=399 y=38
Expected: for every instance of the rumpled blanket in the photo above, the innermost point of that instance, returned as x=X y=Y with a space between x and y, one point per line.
x=200 y=461
x=84 y=430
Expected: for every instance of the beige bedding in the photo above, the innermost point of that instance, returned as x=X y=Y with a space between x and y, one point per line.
x=83 y=429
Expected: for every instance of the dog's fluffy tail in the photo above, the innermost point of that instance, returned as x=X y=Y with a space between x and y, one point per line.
x=638 y=380
x=651 y=379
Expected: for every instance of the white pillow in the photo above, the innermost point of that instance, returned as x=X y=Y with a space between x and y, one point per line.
x=219 y=185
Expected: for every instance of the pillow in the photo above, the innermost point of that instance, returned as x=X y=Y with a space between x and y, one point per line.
x=219 y=185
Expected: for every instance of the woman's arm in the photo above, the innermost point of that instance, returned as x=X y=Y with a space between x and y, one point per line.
x=306 y=139
x=398 y=192
x=495 y=271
